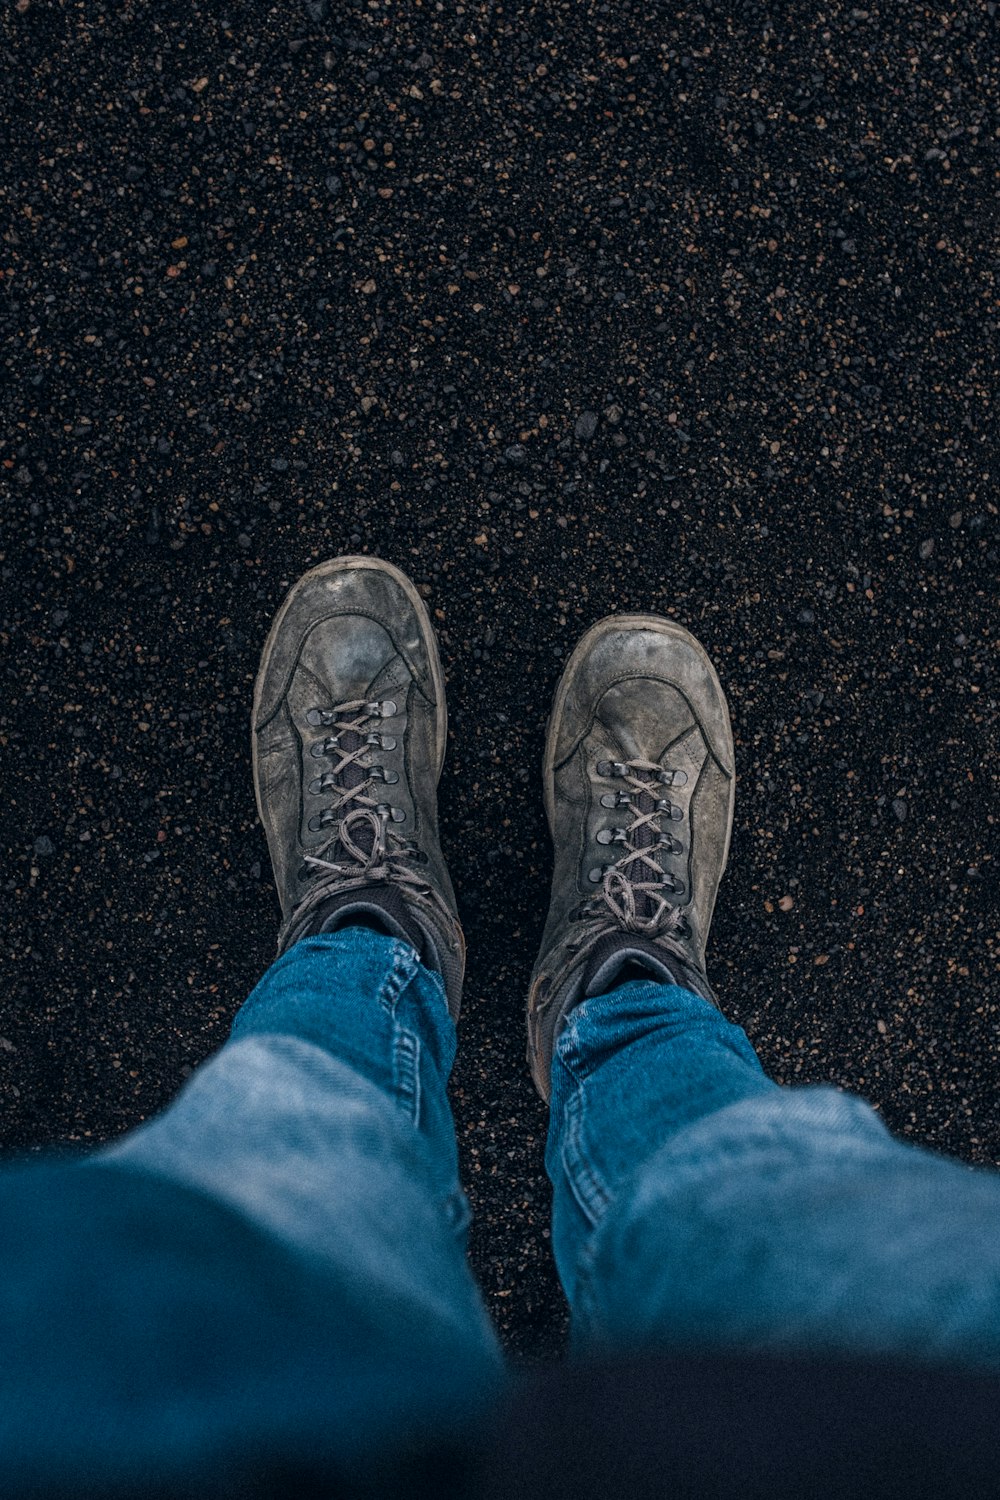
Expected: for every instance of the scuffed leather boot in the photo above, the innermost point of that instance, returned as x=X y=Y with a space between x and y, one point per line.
x=639 y=781
x=349 y=729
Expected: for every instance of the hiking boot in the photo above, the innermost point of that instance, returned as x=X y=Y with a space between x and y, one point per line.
x=639 y=780
x=349 y=728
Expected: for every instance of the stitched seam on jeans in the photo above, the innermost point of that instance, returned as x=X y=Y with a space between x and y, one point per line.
x=588 y=1186
x=405 y=1043
x=404 y=962
x=406 y=1072
x=570 y=1054
x=567 y=1050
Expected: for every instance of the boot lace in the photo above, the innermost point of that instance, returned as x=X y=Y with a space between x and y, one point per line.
x=635 y=890
x=363 y=848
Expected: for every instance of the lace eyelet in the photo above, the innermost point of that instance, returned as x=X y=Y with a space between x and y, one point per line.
x=325 y=747
x=672 y=778
x=396 y=814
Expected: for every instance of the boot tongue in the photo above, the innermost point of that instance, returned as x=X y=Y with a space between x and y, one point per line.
x=643 y=838
x=625 y=950
x=386 y=908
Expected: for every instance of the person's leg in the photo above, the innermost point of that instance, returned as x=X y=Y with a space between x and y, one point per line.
x=696 y=1203
x=699 y=1205
x=325 y=1119
x=270 y=1278
x=325 y=1123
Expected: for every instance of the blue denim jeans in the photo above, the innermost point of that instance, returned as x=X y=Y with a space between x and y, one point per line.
x=698 y=1205
x=275 y=1266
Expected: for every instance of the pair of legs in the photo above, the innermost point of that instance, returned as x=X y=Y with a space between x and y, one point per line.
x=276 y=1265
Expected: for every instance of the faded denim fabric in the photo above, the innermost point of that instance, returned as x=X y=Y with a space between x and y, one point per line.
x=271 y=1273
x=325 y=1122
x=698 y=1205
x=270 y=1277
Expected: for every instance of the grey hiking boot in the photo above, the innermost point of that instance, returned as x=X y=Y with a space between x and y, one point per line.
x=349 y=728
x=639 y=780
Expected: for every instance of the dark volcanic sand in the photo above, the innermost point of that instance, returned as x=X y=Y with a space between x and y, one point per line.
x=566 y=309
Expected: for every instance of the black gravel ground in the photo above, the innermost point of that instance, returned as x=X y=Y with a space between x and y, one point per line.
x=566 y=309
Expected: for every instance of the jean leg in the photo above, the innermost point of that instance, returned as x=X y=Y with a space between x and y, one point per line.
x=270 y=1273
x=699 y=1205
x=324 y=1120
